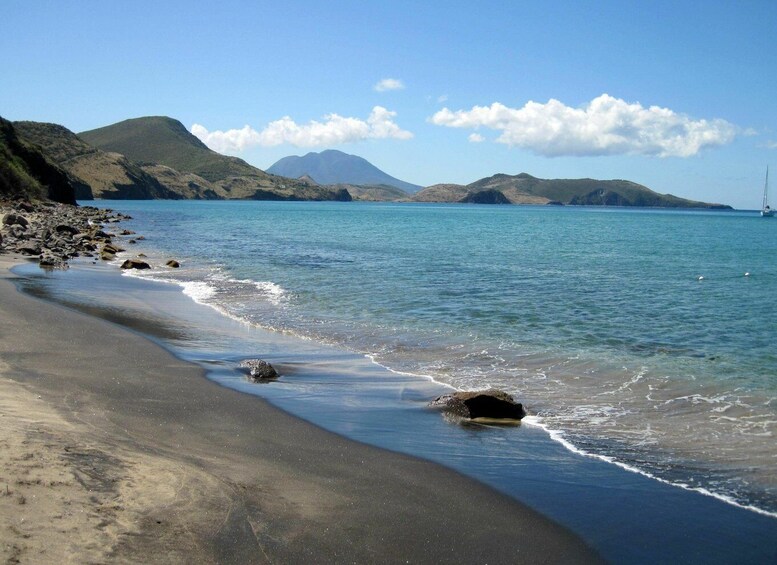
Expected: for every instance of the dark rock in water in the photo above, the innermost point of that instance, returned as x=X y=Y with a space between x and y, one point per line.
x=109 y=252
x=492 y=404
x=135 y=264
x=173 y=264
x=48 y=260
x=112 y=249
x=259 y=370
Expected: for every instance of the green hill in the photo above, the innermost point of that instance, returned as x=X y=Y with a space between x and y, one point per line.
x=26 y=173
x=162 y=140
x=526 y=189
x=109 y=175
x=159 y=140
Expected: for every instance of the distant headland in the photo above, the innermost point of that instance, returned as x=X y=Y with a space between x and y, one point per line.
x=156 y=157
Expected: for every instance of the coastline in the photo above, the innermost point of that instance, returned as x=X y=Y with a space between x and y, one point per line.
x=122 y=452
x=624 y=516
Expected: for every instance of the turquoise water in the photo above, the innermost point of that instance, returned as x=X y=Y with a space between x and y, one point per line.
x=595 y=318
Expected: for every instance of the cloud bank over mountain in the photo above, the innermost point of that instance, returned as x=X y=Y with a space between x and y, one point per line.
x=605 y=126
x=333 y=130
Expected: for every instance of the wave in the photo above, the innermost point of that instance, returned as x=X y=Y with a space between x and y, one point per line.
x=559 y=437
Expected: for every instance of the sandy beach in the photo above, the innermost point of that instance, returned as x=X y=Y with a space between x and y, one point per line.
x=116 y=451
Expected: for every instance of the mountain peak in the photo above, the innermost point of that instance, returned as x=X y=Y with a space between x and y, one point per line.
x=335 y=167
x=164 y=140
x=128 y=137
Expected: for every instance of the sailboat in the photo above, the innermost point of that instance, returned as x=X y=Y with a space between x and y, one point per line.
x=766 y=212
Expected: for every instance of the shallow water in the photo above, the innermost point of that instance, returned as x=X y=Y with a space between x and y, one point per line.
x=626 y=516
x=595 y=317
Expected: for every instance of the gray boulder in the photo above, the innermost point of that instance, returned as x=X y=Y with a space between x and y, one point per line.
x=259 y=371
x=492 y=404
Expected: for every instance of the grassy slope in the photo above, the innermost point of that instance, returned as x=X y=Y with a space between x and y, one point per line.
x=110 y=175
x=166 y=141
x=159 y=140
x=26 y=173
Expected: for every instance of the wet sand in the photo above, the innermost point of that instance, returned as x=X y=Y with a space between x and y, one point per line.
x=113 y=450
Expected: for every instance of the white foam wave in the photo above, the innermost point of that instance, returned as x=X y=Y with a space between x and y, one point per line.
x=274 y=292
x=558 y=436
x=205 y=291
x=198 y=291
x=372 y=358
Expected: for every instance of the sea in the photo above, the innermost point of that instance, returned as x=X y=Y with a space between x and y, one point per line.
x=642 y=342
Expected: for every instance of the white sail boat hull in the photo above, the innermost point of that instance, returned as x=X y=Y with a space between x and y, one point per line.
x=766 y=212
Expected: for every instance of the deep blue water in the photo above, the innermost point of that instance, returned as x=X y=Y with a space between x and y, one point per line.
x=632 y=335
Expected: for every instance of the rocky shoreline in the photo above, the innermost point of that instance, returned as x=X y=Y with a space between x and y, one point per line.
x=56 y=233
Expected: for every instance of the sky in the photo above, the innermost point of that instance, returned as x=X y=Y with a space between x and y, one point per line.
x=680 y=96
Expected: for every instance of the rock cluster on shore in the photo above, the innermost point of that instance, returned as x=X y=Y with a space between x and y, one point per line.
x=56 y=233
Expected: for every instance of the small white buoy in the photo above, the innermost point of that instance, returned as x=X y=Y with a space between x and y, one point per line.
x=701 y=278
x=747 y=274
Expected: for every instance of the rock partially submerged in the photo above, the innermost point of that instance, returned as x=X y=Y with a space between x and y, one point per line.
x=489 y=404
x=135 y=264
x=260 y=371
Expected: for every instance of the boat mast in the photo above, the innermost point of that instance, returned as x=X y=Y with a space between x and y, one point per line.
x=766 y=188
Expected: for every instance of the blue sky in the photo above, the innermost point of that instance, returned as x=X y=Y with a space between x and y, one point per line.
x=679 y=96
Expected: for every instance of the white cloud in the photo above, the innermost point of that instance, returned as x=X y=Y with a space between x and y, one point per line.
x=770 y=145
x=442 y=99
x=476 y=138
x=333 y=130
x=389 y=84
x=605 y=126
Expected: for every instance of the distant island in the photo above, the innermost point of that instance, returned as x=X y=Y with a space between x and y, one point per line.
x=526 y=189
x=156 y=157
